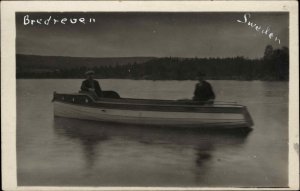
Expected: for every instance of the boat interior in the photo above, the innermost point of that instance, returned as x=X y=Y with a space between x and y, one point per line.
x=117 y=99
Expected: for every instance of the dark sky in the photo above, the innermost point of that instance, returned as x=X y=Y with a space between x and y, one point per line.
x=151 y=34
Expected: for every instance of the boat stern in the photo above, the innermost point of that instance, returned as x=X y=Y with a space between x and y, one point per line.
x=247 y=117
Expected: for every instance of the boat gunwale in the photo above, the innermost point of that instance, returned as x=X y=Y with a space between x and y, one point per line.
x=169 y=108
x=96 y=106
x=156 y=102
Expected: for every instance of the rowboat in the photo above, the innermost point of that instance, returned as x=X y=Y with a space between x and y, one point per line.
x=166 y=113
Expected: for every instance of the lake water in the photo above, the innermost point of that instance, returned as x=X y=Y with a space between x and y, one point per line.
x=65 y=152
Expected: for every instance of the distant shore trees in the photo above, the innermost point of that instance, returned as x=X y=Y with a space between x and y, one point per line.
x=274 y=66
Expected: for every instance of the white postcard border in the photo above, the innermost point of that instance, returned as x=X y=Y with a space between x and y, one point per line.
x=8 y=74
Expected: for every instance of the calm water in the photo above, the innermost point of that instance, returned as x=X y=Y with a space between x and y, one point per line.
x=65 y=152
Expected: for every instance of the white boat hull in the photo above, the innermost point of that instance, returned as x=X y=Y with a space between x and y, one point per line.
x=141 y=117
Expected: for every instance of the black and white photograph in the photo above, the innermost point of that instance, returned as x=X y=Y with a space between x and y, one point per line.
x=183 y=97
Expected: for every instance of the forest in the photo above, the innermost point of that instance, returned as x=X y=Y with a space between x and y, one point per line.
x=273 y=66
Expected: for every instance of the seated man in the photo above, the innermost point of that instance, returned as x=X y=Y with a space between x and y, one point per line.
x=203 y=91
x=90 y=85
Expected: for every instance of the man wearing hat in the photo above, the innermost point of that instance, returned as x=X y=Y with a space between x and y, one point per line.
x=203 y=90
x=91 y=85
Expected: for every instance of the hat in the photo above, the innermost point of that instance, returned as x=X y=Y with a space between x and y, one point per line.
x=89 y=72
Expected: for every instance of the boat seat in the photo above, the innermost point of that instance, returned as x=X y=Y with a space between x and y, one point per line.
x=111 y=94
x=106 y=94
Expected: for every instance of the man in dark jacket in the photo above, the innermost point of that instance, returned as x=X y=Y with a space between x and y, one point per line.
x=203 y=91
x=91 y=85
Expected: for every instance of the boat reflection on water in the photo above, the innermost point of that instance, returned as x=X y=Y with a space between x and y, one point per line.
x=91 y=134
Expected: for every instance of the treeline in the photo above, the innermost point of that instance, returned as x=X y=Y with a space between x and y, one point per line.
x=273 y=66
